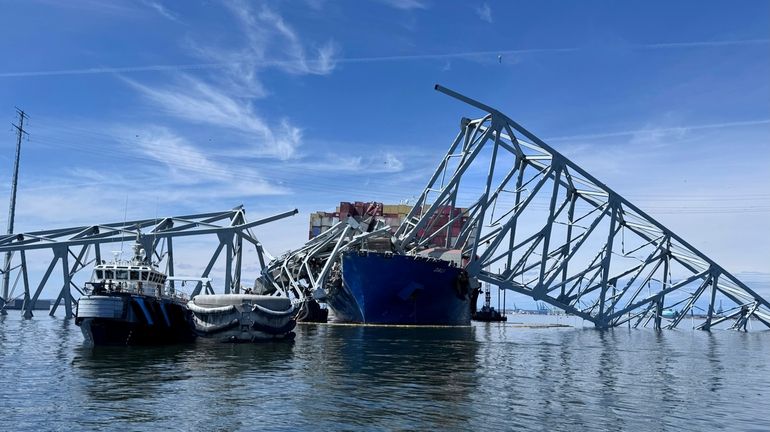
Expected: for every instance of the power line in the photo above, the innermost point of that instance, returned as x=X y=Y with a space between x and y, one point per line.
x=20 y=132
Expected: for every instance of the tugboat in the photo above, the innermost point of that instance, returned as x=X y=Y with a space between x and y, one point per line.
x=487 y=313
x=127 y=304
x=242 y=317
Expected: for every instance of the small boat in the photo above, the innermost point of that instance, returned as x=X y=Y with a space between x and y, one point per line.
x=670 y=314
x=242 y=317
x=487 y=313
x=127 y=303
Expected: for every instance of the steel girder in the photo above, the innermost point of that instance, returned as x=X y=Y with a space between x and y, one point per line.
x=302 y=273
x=71 y=248
x=542 y=226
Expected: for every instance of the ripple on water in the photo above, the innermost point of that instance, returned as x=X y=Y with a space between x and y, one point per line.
x=374 y=378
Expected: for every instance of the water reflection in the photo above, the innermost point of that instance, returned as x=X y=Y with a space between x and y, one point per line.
x=408 y=367
x=489 y=376
x=714 y=362
x=151 y=384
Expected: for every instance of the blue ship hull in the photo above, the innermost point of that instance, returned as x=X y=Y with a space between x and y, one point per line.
x=380 y=288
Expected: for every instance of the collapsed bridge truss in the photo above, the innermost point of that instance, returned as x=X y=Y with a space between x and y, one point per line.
x=540 y=225
x=74 y=249
x=302 y=273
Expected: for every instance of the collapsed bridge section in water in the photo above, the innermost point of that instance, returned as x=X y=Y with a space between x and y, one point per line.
x=540 y=225
x=534 y=222
x=72 y=248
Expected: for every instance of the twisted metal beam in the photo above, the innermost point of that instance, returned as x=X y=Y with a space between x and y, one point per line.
x=302 y=273
x=155 y=235
x=542 y=226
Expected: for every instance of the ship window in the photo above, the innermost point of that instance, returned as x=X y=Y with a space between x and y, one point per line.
x=122 y=274
x=162 y=280
x=134 y=275
x=144 y=275
x=153 y=277
x=109 y=274
x=99 y=274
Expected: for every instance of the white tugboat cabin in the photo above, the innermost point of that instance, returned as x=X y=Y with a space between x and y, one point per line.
x=136 y=276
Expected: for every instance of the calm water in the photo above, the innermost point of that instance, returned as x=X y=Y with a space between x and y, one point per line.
x=341 y=378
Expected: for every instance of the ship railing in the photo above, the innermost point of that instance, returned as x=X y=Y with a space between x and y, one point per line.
x=178 y=295
x=111 y=287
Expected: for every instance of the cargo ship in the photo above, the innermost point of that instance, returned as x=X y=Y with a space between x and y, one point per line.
x=371 y=287
x=127 y=304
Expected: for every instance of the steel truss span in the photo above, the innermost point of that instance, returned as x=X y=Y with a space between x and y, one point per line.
x=548 y=229
x=76 y=248
x=302 y=273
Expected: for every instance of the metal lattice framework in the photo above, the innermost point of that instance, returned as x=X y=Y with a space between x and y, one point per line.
x=72 y=248
x=548 y=229
x=303 y=272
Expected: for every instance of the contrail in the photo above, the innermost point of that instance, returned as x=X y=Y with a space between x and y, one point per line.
x=665 y=129
x=106 y=70
x=396 y=58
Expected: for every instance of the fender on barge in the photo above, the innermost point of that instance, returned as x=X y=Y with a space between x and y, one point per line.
x=242 y=317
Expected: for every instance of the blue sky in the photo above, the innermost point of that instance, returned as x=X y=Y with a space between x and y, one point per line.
x=203 y=105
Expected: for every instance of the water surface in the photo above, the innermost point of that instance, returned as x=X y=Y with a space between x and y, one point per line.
x=496 y=376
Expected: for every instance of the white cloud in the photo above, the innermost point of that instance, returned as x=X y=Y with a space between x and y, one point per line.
x=484 y=12
x=381 y=163
x=199 y=102
x=149 y=163
x=316 y=4
x=226 y=99
x=182 y=159
x=405 y=4
x=187 y=165
x=393 y=163
x=158 y=7
x=271 y=42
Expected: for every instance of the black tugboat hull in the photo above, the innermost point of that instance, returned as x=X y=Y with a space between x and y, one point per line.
x=133 y=320
x=102 y=332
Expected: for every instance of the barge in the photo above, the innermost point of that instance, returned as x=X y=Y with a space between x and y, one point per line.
x=242 y=317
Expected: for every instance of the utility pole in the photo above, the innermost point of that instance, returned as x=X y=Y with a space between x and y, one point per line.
x=20 y=132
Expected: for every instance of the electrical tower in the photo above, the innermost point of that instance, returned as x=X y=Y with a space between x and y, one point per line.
x=20 y=132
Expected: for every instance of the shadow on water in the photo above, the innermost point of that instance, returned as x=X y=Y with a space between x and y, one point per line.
x=137 y=371
x=153 y=384
x=392 y=377
x=129 y=372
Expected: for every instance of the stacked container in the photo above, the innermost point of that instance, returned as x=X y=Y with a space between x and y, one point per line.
x=393 y=215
